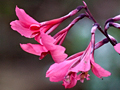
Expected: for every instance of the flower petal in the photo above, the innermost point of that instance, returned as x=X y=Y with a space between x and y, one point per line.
x=23 y=24
x=35 y=49
x=99 y=71
x=58 y=54
x=48 y=41
x=16 y=25
x=57 y=71
x=72 y=82
x=117 y=48
x=83 y=65
x=23 y=17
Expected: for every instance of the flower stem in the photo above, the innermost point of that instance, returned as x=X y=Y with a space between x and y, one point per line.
x=99 y=28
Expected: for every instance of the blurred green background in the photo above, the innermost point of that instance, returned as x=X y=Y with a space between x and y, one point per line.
x=23 y=71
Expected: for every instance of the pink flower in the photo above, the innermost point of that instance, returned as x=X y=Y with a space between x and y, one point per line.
x=58 y=71
x=51 y=44
x=30 y=28
x=87 y=62
x=81 y=62
x=46 y=46
x=117 y=48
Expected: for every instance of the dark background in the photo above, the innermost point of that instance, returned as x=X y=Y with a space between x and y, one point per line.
x=23 y=71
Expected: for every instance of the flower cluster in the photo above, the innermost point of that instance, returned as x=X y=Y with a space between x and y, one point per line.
x=67 y=69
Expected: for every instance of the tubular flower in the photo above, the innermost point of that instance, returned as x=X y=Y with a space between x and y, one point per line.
x=30 y=28
x=46 y=46
x=79 y=63
x=51 y=44
x=60 y=71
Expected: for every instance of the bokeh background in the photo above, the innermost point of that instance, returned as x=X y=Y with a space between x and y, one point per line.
x=23 y=71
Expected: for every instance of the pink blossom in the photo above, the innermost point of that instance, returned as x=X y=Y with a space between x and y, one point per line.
x=117 y=48
x=30 y=28
x=40 y=31
x=52 y=44
x=81 y=62
x=60 y=71
x=45 y=47
x=87 y=62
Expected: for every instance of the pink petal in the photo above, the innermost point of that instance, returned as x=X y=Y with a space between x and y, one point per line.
x=57 y=71
x=37 y=38
x=99 y=71
x=16 y=25
x=48 y=41
x=117 y=48
x=72 y=82
x=83 y=65
x=23 y=24
x=35 y=49
x=58 y=54
x=23 y=17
